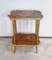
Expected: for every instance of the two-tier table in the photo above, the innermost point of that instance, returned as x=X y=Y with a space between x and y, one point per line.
x=25 y=38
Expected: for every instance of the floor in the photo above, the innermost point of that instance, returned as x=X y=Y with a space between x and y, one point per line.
x=26 y=52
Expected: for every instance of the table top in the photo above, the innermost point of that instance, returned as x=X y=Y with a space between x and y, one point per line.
x=22 y=14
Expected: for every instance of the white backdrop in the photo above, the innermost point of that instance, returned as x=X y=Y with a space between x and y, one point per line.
x=45 y=6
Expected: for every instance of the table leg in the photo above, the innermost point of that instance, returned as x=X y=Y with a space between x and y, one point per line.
x=14 y=32
x=14 y=48
x=37 y=32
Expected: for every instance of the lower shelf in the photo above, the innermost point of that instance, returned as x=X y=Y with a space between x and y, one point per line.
x=25 y=39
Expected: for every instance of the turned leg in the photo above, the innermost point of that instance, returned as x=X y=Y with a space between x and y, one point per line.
x=37 y=32
x=14 y=32
x=14 y=48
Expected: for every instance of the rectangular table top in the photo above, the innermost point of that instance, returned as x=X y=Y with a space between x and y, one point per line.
x=22 y=14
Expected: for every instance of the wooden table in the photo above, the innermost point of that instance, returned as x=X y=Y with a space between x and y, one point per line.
x=23 y=38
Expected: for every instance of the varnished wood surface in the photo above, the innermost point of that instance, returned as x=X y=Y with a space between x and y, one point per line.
x=25 y=14
x=25 y=39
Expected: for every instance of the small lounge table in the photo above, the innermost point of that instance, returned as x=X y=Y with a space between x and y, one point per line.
x=25 y=38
